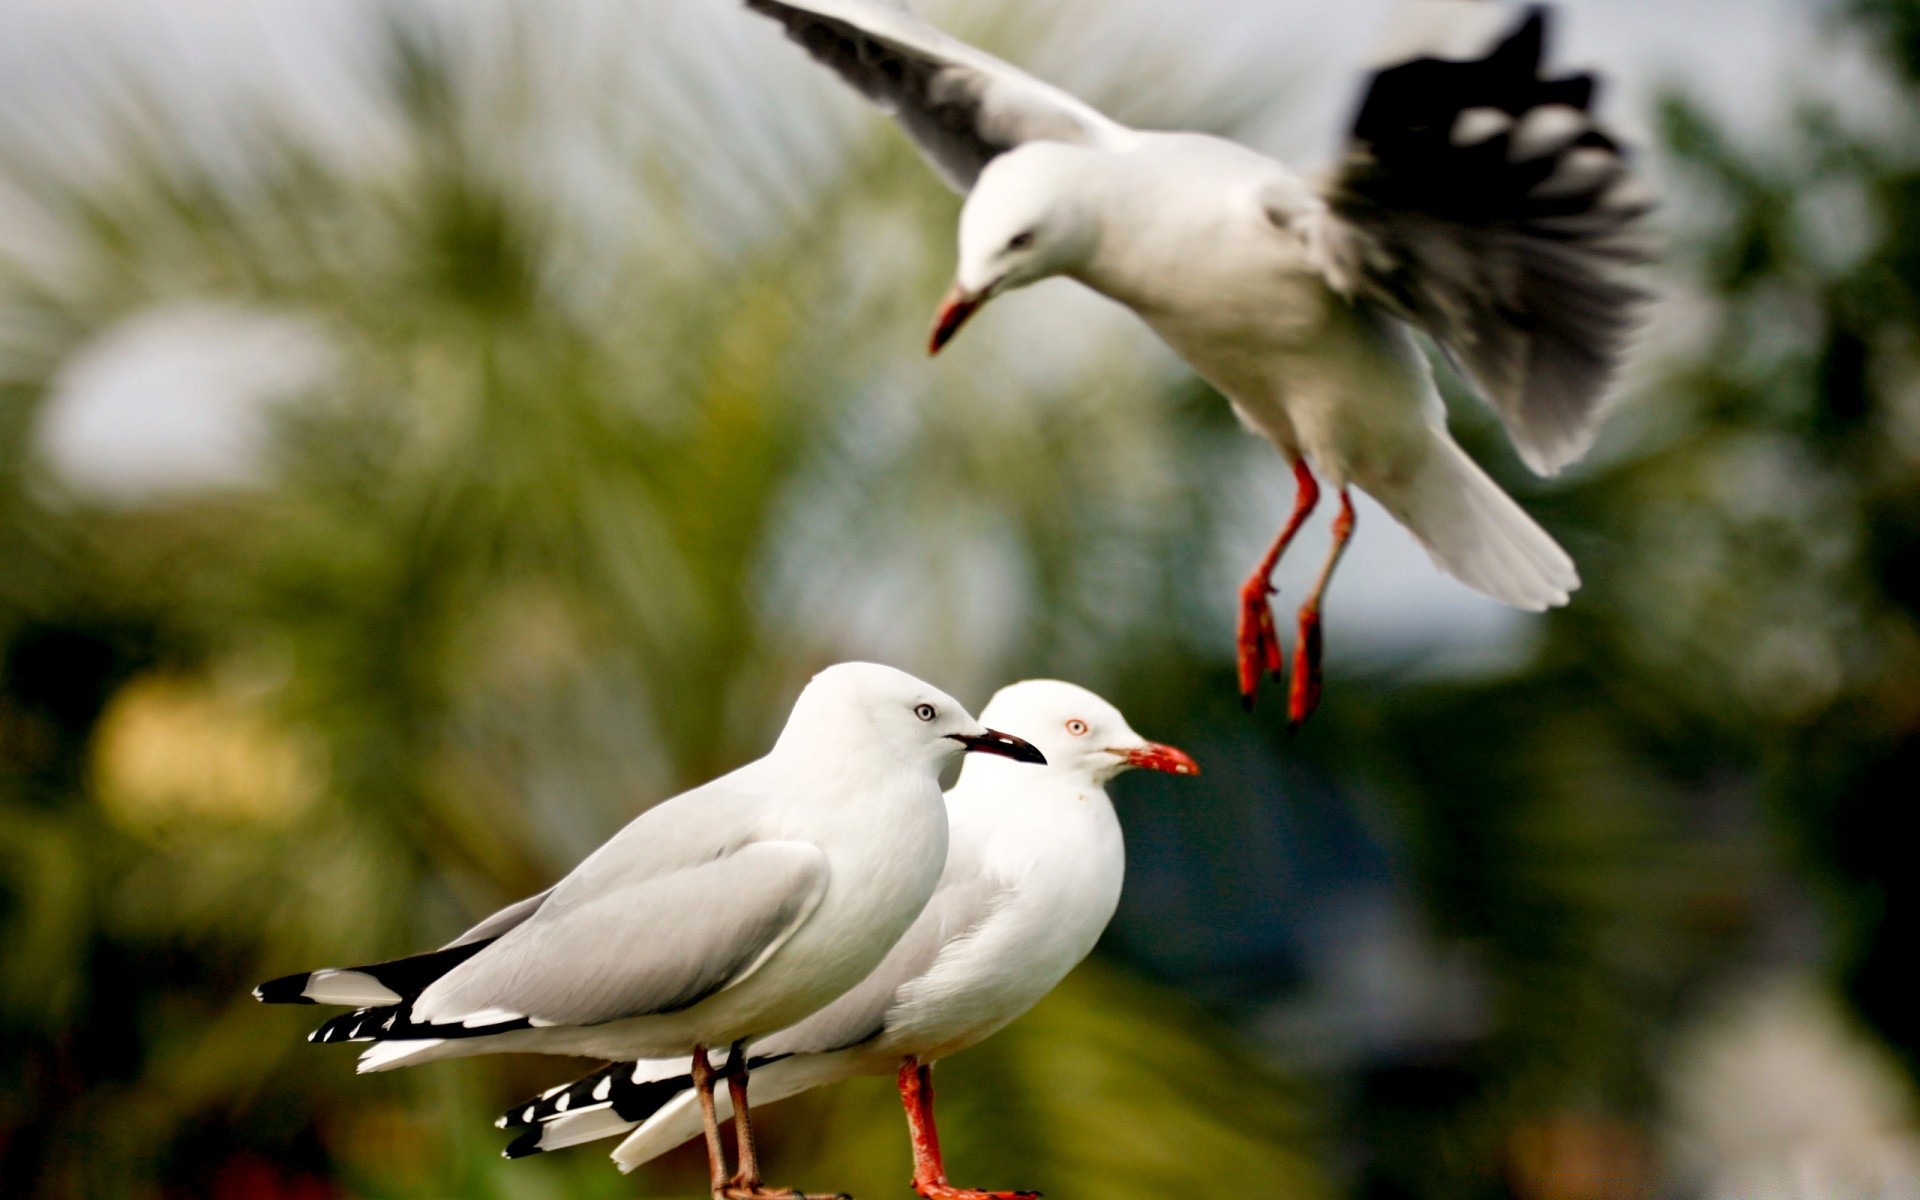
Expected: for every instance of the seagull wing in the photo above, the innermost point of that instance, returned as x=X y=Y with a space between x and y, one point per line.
x=1478 y=199
x=961 y=105
x=965 y=901
x=655 y=944
x=620 y=1095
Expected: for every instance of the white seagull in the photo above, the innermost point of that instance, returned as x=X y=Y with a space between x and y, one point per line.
x=1033 y=872
x=727 y=912
x=1476 y=200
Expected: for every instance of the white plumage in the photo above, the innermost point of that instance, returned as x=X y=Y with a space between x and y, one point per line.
x=724 y=913
x=1033 y=873
x=1476 y=199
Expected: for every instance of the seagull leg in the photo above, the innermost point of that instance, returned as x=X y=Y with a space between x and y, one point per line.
x=1303 y=696
x=1258 y=643
x=929 y=1173
x=747 y=1154
x=703 y=1078
x=746 y=1183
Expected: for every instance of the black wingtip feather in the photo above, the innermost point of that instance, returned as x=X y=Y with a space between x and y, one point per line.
x=525 y=1146
x=1479 y=212
x=390 y=1023
x=632 y=1101
x=346 y=1027
x=288 y=989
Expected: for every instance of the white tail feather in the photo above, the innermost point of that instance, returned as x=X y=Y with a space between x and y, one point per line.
x=1477 y=534
x=676 y=1121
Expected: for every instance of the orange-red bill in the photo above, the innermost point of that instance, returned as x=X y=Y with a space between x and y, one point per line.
x=1155 y=757
x=955 y=308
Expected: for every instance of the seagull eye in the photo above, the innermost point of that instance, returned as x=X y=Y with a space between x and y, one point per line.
x=926 y=712
x=1077 y=727
x=1021 y=240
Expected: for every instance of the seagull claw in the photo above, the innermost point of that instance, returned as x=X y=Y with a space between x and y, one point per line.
x=1257 y=642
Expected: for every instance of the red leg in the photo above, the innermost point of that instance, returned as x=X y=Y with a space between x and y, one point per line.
x=929 y=1173
x=1258 y=643
x=1304 y=694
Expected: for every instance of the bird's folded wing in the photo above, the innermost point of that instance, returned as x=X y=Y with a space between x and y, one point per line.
x=641 y=945
x=965 y=901
x=500 y=922
x=961 y=105
x=1479 y=200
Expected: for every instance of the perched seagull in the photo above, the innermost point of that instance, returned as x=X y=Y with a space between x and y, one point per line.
x=1033 y=873
x=1476 y=199
x=727 y=912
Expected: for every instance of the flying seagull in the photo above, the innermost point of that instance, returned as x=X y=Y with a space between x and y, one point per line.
x=1033 y=873
x=727 y=912
x=1476 y=199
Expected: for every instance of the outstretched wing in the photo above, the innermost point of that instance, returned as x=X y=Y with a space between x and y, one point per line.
x=1480 y=200
x=961 y=105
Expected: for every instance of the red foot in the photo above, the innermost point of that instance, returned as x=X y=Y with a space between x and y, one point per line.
x=1258 y=641
x=1304 y=694
x=944 y=1191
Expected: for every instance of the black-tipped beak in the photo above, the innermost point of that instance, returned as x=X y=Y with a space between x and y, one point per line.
x=1004 y=744
x=955 y=308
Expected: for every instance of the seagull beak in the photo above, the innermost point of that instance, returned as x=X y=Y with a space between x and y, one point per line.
x=1155 y=757
x=1004 y=744
x=958 y=305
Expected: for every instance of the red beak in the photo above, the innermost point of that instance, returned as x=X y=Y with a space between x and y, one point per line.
x=1155 y=757
x=958 y=305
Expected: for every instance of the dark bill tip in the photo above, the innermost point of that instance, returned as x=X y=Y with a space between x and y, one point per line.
x=1003 y=744
x=957 y=306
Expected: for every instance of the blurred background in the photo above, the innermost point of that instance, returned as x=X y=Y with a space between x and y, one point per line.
x=432 y=432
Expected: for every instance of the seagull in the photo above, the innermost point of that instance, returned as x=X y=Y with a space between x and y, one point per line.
x=724 y=913
x=1476 y=200
x=1034 y=865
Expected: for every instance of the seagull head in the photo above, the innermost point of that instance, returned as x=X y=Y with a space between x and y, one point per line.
x=855 y=707
x=1027 y=219
x=1083 y=737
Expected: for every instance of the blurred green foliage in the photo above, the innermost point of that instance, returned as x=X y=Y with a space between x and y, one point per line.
x=619 y=433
